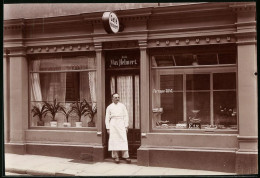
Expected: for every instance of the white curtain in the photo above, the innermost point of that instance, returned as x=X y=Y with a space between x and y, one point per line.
x=125 y=91
x=92 y=88
x=36 y=94
x=54 y=86
x=84 y=86
x=112 y=85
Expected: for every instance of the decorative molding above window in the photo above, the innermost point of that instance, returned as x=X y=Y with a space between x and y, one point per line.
x=192 y=41
x=60 y=48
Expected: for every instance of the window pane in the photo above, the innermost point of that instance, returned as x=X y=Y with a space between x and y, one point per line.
x=197 y=81
x=66 y=88
x=63 y=63
x=72 y=86
x=225 y=110
x=224 y=81
x=183 y=59
x=53 y=86
x=227 y=58
x=171 y=82
x=164 y=61
x=207 y=59
x=199 y=101
x=172 y=105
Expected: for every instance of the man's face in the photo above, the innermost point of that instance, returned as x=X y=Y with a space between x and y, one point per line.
x=115 y=98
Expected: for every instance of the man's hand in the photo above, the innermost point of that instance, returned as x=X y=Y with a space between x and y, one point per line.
x=108 y=131
x=126 y=129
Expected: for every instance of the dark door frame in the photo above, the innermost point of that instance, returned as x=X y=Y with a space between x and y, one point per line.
x=133 y=133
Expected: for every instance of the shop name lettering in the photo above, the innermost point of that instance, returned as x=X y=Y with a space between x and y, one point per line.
x=163 y=91
x=122 y=62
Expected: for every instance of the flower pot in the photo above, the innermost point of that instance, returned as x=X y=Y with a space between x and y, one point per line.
x=66 y=124
x=53 y=123
x=78 y=124
x=40 y=123
x=91 y=124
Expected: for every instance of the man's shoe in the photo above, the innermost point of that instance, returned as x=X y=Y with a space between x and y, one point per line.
x=128 y=160
x=117 y=160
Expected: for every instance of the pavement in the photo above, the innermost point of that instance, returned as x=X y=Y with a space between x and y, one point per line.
x=19 y=165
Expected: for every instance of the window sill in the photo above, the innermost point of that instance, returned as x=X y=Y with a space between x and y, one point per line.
x=64 y=128
x=202 y=131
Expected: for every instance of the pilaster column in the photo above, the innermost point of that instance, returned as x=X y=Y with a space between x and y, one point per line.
x=246 y=162
x=98 y=151
x=19 y=97
x=100 y=87
x=144 y=87
x=6 y=102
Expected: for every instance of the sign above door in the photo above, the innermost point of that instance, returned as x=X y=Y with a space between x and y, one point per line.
x=122 y=60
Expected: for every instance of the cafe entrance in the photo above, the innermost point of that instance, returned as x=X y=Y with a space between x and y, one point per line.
x=122 y=77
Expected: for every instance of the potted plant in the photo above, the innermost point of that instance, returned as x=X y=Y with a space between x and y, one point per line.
x=39 y=111
x=80 y=109
x=53 y=109
x=67 y=113
x=91 y=111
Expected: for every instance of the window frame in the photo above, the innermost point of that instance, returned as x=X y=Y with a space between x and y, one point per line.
x=30 y=71
x=203 y=69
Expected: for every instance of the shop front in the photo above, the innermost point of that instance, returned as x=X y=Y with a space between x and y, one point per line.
x=185 y=73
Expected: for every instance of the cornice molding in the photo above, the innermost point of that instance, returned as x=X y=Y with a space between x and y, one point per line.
x=191 y=41
x=15 y=51
x=60 y=48
x=12 y=25
x=243 y=7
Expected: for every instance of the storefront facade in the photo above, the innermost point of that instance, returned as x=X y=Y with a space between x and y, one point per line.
x=185 y=73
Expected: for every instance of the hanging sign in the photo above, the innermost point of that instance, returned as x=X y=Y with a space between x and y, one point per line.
x=110 y=22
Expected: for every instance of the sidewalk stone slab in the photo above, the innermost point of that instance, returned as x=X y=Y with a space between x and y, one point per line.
x=100 y=168
x=68 y=172
x=151 y=171
x=53 y=166
x=37 y=173
x=124 y=169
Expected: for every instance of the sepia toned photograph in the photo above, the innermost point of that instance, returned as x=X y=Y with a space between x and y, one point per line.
x=130 y=89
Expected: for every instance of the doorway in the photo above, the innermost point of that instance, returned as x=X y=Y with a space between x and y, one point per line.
x=125 y=81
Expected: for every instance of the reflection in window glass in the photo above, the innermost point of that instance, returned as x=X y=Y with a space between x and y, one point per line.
x=174 y=82
x=183 y=59
x=172 y=104
x=224 y=81
x=198 y=81
x=225 y=110
x=164 y=61
x=207 y=59
x=198 y=106
x=227 y=58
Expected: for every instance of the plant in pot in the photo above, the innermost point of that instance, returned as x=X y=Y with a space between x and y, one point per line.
x=39 y=111
x=91 y=111
x=53 y=109
x=66 y=113
x=79 y=107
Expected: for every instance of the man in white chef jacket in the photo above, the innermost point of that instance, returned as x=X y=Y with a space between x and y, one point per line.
x=117 y=128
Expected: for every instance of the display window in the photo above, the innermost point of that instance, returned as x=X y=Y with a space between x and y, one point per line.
x=194 y=91
x=63 y=91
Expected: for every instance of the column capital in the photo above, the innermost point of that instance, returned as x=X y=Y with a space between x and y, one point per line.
x=17 y=51
x=98 y=46
x=142 y=44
